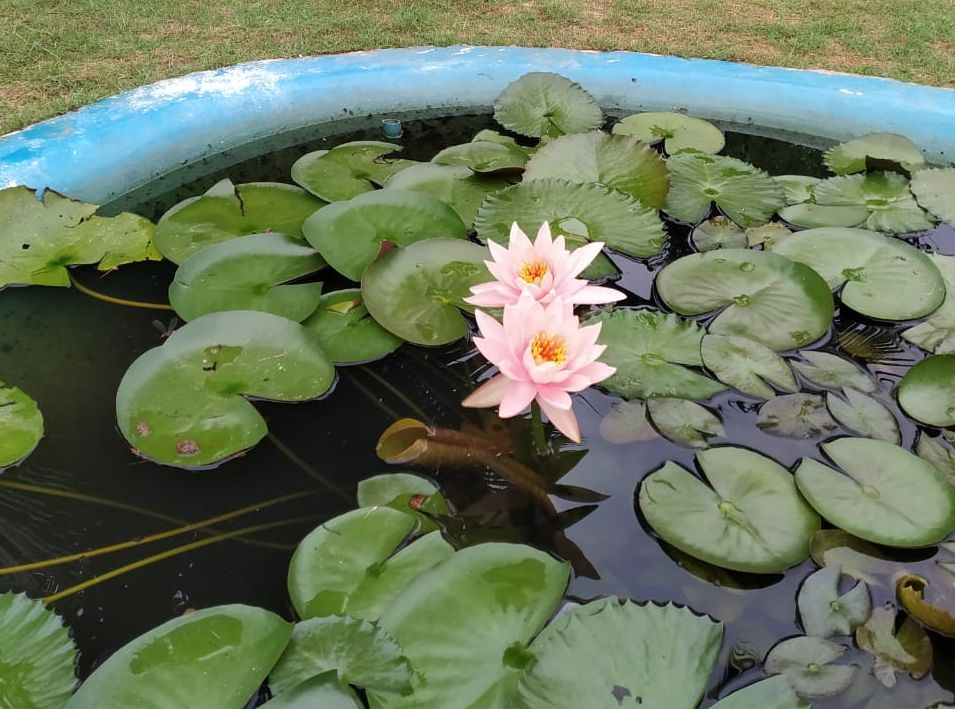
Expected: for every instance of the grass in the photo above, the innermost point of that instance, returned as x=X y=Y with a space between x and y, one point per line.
x=60 y=54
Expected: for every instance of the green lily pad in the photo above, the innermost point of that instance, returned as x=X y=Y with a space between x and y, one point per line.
x=324 y=690
x=649 y=350
x=718 y=233
x=617 y=161
x=874 y=149
x=183 y=403
x=455 y=185
x=751 y=519
x=886 y=494
x=661 y=654
x=796 y=416
x=796 y=188
x=248 y=273
x=492 y=136
x=227 y=211
x=484 y=603
x=927 y=391
x=864 y=415
x=627 y=422
x=805 y=661
x=814 y=216
x=484 y=156
x=931 y=450
x=746 y=365
x=935 y=191
x=215 y=657
x=937 y=333
x=362 y=653
x=541 y=103
x=772 y=693
x=411 y=494
x=349 y=235
x=883 y=277
x=744 y=193
x=891 y=207
x=348 y=170
x=21 y=425
x=679 y=132
x=39 y=240
x=417 y=292
x=824 y=611
x=767 y=235
x=907 y=650
x=763 y=296
x=37 y=656
x=829 y=371
x=684 y=422
x=590 y=212
x=349 y=335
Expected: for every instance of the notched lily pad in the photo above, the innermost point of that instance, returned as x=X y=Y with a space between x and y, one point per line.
x=773 y=693
x=405 y=492
x=746 y=365
x=796 y=416
x=684 y=422
x=718 y=233
x=826 y=612
x=545 y=104
x=348 y=170
x=829 y=371
x=679 y=132
x=484 y=156
x=935 y=191
x=455 y=185
x=927 y=391
x=937 y=332
x=885 y=196
x=866 y=416
x=813 y=216
x=627 y=422
x=806 y=662
x=879 y=150
x=796 y=188
x=21 y=426
x=348 y=333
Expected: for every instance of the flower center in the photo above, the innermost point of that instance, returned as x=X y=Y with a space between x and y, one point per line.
x=534 y=272
x=549 y=348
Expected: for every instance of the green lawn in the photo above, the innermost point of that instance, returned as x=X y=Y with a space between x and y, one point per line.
x=60 y=54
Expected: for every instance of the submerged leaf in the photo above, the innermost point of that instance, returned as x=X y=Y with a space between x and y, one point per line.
x=927 y=391
x=932 y=451
x=546 y=104
x=937 y=332
x=796 y=416
x=684 y=422
x=885 y=195
x=627 y=423
x=935 y=191
x=826 y=612
x=855 y=155
x=829 y=371
x=864 y=415
x=348 y=333
x=718 y=233
x=21 y=426
x=744 y=365
x=348 y=169
x=679 y=132
x=806 y=663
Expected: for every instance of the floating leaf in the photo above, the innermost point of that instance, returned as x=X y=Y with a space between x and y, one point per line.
x=744 y=365
x=860 y=153
x=806 y=663
x=767 y=235
x=864 y=415
x=21 y=426
x=663 y=656
x=883 y=277
x=855 y=557
x=216 y=657
x=455 y=185
x=796 y=416
x=405 y=492
x=814 y=216
x=937 y=333
x=829 y=371
x=627 y=423
x=744 y=193
x=484 y=156
x=684 y=422
x=679 y=132
x=908 y=650
x=796 y=188
x=39 y=239
x=580 y=211
x=183 y=403
x=648 y=348
x=886 y=494
x=763 y=296
x=349 y=235
x=751 y=519
x=492 y=136
x=927 y=391
x=885 y=195
x=417 y=292
x=349 y=335
x=617 y=161
x=772 y=693
x=348 y=170
x=718 y=233
x=227 y=211
x=826 y=612
x=541 y=103
x=930 y=450
x=324 y=690
x=934 y=189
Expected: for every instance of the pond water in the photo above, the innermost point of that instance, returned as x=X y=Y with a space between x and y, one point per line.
x=84 y=488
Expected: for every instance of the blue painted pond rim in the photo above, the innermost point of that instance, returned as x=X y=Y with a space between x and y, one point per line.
x=120 y=143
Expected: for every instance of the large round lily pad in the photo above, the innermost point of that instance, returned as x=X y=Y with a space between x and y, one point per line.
x=749 y=518
x=763 y=296
x=885 y=195
x=348 y=169
x=184 y=403
x=455 y=185
x=589 y=211
x=349 y=335
x=885 y=495
x=350 y=234
x=618 y=161
x=884 y=277
x=484 y=156
x=417 y=292
x=937 y=332
x=935 y=191
x=679 y=132
x=21 y=425
x=214 y=658
x=927 y=391
x=248 y=273
x=874 y=151
x=541 y=103
x=227 y=211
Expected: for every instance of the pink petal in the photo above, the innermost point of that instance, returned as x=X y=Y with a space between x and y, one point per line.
x=488 y=394
x=543 y=240
x=555 y=396
x=489 y=327
x=517 y=397
x=519 y=240
x=563 y=419
x=498 y=252
x=582 y=256
x=596 y=295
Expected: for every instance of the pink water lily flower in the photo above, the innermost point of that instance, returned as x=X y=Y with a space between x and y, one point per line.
x=545 y=269
x=544 y=355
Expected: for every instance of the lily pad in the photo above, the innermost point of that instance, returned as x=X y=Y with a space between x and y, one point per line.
x=931 y=450
x=937 y=332
x=864 y=415
x=37 y=656
x=763 y=296
x=541 y=103
x=767 y=235
x=806 y=663
x=772 y=693
x=814 y=216
x=746 y=365
x=627 y=422
x=348 y=170
x=684 y=422
x=935 y=191
x=581 y=211
x=824 y=611
x=40 y=239
x=873 y=150
x=829 y=371
x=227 y=211
x=662 y=655
x=649 y=350
x=796 y=416
x=349 y=235
x=248 y=273
x=348 y=333
x=484 y=603
x=324 y=690
x=855 y=557
x=927 y=391
x=484 y=156
x=216 y=658
x=744 y=193
x=796 y=188
x=183 y=403
x=617 y=161
x=886 y=495
x=455 y=185
x=492 y=136
x=907 y=650
x=882 y=277
x=891 y=207
x=21 y=425
x=411 y=494
x=679 y=132
x=417 y=292
x=751 y=519
x=718 y=233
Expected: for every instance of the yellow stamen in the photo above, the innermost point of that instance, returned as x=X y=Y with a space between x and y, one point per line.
x=549 y=348
x=534 y=272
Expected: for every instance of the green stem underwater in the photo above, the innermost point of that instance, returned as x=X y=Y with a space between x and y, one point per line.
x=537 y=426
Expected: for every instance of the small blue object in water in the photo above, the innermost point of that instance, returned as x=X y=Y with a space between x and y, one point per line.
x=392 y=128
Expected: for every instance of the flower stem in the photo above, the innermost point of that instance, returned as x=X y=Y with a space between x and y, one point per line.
x=537 y=425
